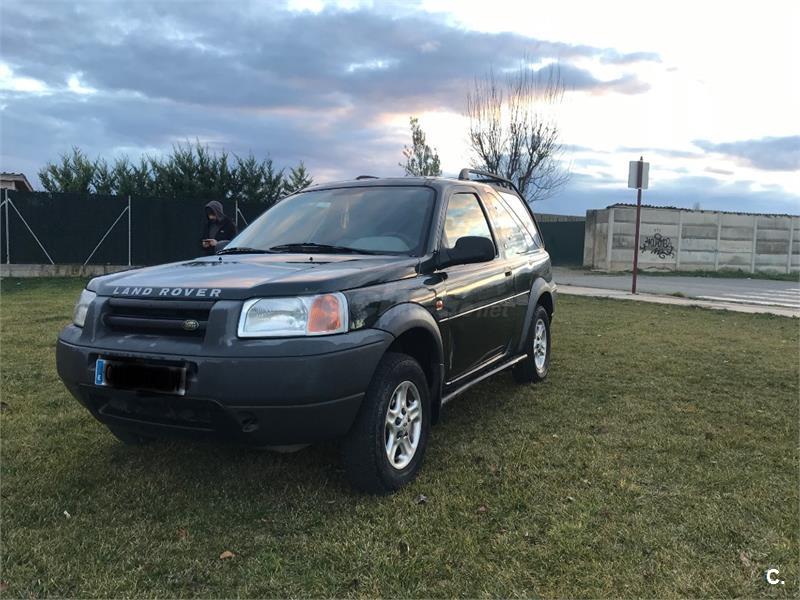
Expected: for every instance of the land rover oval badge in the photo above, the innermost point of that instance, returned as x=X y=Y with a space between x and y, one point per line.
x=190 y=325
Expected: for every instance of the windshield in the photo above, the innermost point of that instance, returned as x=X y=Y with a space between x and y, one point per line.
x=372 y=220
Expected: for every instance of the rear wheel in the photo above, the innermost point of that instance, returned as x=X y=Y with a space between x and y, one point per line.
x=536 y=365
x=386 y=445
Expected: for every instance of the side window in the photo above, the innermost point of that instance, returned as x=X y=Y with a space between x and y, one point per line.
x=464 y=217
x=515 y=238
x=521 y=212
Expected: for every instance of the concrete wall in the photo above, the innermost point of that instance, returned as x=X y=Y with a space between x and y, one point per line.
x=691 y=240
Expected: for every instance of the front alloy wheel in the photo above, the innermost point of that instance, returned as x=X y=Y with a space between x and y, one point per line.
x=403 y=425
x=384 y=449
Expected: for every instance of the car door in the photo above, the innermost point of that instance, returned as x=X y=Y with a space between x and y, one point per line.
x=474 y=309
x=519 y=243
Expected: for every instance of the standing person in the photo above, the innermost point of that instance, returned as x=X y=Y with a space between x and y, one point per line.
x=219 y=229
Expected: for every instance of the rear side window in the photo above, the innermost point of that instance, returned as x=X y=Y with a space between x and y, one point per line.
x=517 y=206
x=514 y=238
x=464 y=217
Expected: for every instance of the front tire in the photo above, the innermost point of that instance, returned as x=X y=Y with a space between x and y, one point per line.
x=385 y=447
x=536 y=365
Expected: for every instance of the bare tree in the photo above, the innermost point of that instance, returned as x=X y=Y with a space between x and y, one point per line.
x=512 y=131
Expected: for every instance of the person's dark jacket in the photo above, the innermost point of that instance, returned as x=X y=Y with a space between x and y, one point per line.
x=223 y=229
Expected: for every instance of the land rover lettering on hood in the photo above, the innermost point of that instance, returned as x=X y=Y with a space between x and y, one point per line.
x=170 y=292
x=350 y=311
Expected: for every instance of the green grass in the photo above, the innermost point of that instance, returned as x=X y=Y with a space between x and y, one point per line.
x=660 y=459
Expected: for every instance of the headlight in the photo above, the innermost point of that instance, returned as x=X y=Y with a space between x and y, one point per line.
x=79 y=316
x=284 y=317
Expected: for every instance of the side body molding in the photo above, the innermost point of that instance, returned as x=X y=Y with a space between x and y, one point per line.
x=539 y=287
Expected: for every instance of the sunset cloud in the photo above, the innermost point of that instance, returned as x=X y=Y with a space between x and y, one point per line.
x=316 y=82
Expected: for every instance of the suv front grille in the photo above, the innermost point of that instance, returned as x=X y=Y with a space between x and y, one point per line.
x=158 y=317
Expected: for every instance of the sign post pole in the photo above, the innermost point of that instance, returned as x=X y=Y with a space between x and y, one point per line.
x=129 y=230
x=8 y=240
x=638 y=222
x=637 y=177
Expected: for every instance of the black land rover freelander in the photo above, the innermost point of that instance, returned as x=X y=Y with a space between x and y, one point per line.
x=351 y=310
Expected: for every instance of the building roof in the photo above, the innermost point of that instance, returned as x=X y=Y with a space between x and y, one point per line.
x=700 y=210
x=20 y=181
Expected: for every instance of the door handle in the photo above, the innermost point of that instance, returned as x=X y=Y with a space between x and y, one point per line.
x=508 y=273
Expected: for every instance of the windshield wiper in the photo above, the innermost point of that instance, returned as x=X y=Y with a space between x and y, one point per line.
x=315 y=247
x=243 y=250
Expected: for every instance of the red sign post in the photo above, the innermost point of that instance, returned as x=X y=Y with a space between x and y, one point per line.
x=638 y=176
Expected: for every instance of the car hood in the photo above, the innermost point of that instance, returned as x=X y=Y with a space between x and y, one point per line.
x=237 y=277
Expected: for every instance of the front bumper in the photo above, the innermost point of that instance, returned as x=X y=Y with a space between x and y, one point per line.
x=252 y=394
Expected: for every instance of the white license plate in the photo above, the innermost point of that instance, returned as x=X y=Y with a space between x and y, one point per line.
x=165 y=379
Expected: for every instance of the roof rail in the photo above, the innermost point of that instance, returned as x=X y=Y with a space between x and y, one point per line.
x=488 y=177
x=360 y=177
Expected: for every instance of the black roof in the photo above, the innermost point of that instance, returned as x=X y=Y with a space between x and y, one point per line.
x=465 y=176
x=440 y=183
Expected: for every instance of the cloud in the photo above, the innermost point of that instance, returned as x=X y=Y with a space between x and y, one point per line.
x=583 y=163
x=666 y=152
x=769 y=153
x=585 y=191
x=718 y=171
x=299 y=85
x=217 y=55
x=319 y=86
x=123 y=122
x=615 y=58
x=578 y=148
x=576 y=78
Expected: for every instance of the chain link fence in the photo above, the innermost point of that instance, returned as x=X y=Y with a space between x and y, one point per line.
x=93 y=229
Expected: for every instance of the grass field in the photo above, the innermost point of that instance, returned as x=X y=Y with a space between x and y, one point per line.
x=660 y=459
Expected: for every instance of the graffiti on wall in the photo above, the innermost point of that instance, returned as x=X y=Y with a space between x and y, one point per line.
x=659 y=245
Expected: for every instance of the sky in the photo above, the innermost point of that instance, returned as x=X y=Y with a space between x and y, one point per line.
x=708 y=92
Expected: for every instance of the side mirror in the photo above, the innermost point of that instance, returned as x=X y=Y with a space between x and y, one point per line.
x=468 y=249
